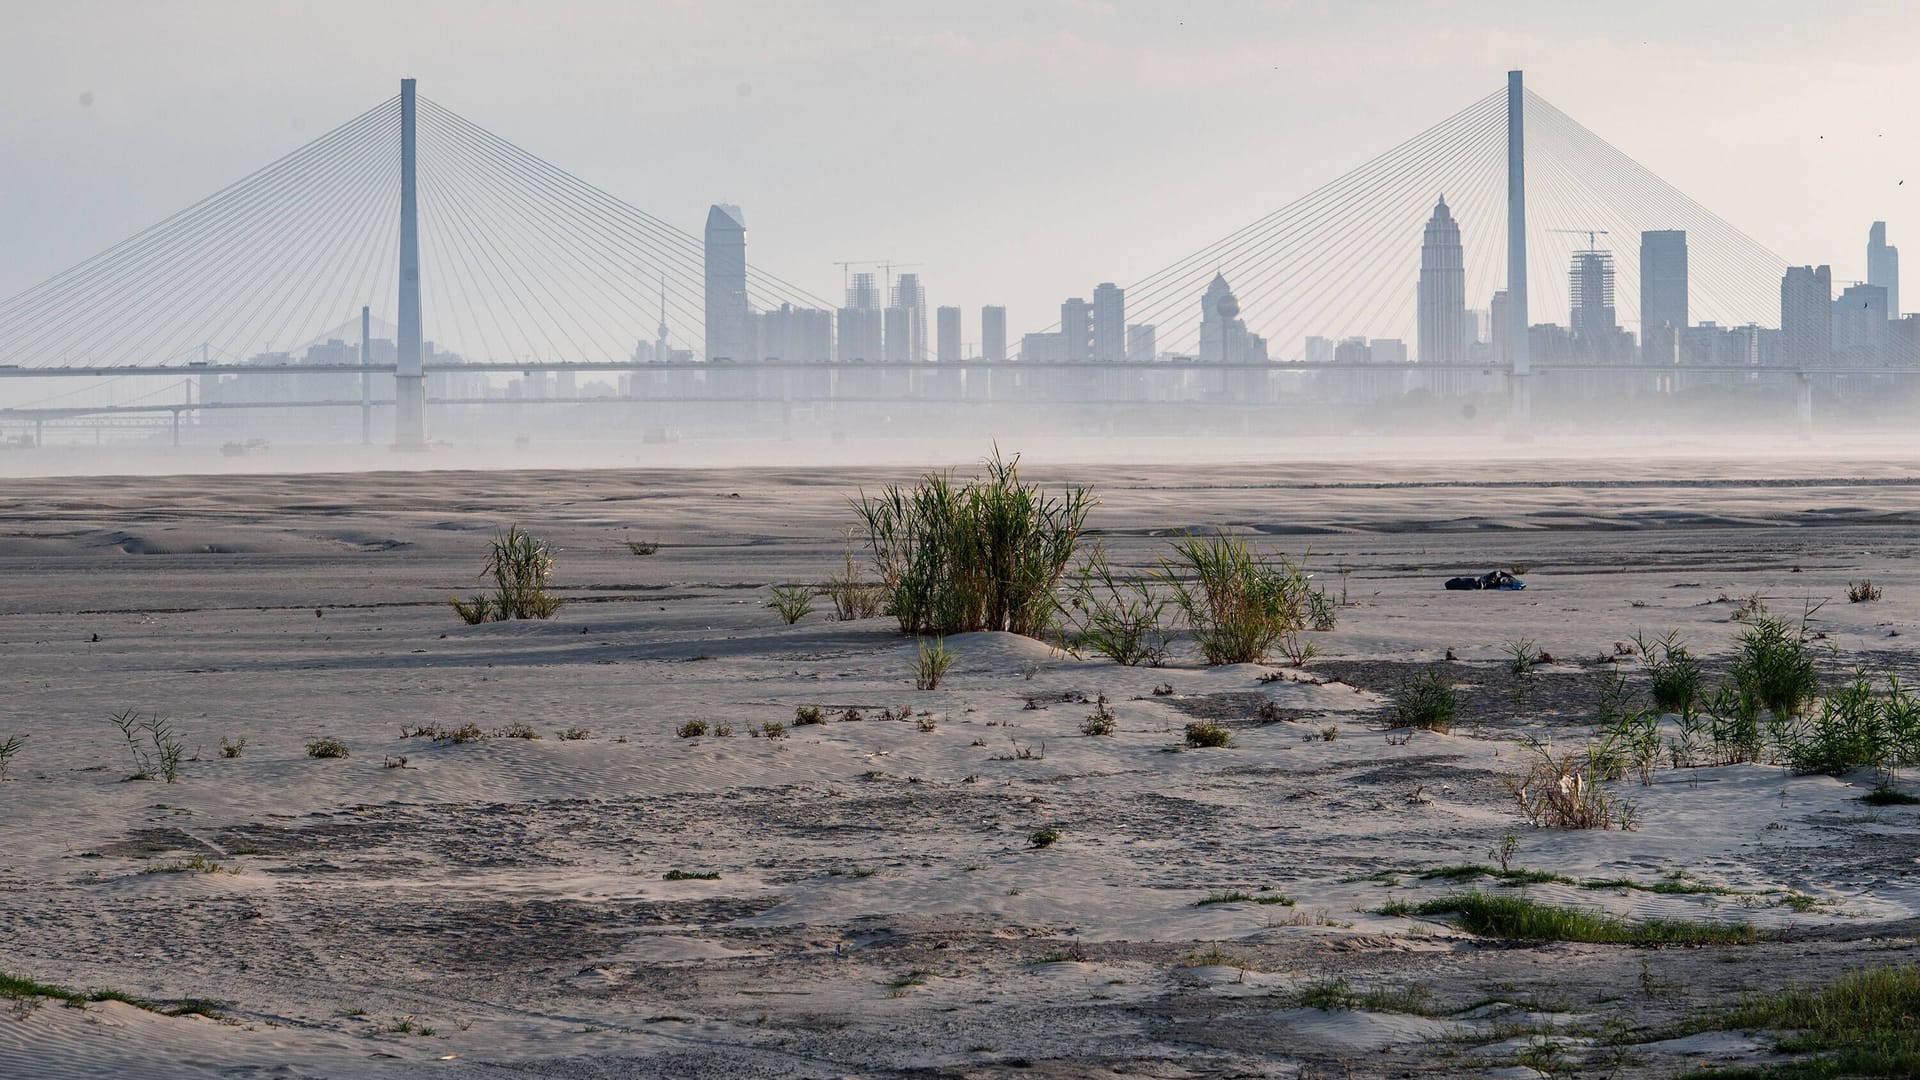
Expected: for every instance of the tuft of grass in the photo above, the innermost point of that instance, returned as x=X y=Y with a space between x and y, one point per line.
x=773 y=729
x=1206 y=733
x=1505 y=876
x=1517 y=917
x=1885 y=795
x=1774 y=666
x=1675 y=673
x=1043 y=837
x=327 y=748
x=1239 y=604
x=691 y=729
x=932 y=664
x=198 y=864
x=691 y=875
x=1568 y=790
x=572 y=734
x=793 y=602
x=1238 y=897
x=517 y=731
x=231 y=748
x=1862 y=592
x=1861 y=1024
x=1100 y=721
x=642 y=547
x=809 y=714
x=1427 y=702
x=1115 y=616
x=984 y=554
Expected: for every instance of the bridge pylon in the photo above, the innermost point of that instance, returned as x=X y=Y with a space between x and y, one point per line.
x=410 y=383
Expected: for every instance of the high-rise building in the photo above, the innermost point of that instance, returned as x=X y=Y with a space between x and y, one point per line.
x=1443 y=329
x=993 y=333
x=1224 y=338
x=1497 y=351
x=796 y=335
x=911 y=298
x=946 y=327
x=1663 y=294
x=1141 y=344
x=861 y=335
x=1319 y=350
x=1861 y=333
x=730 y=333
x=1883 y=266
x=1590 y=280
x=1109 y=322
x=899 y=327
x=1076 y=329
x=1387 y=351
x=1806 y=316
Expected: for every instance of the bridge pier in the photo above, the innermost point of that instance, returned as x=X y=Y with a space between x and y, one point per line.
x=1806 y=406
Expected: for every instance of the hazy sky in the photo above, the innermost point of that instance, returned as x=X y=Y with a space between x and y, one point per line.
x=1020 y=151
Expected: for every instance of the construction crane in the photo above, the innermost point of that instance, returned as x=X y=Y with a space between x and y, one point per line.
x=1588 y=233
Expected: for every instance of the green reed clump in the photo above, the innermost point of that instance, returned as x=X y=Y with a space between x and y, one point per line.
x=1238 y=603
x=1774 y=666
x=521 y=566
x=984 y=554
x=1115 y=616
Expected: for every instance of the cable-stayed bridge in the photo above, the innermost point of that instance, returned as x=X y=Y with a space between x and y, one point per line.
x=471 y=254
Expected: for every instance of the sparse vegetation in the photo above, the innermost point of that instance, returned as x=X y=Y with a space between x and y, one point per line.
x=1862 y=592
x=1567 y=790
x=198 y=864
x=1238 y=604
x=1859 y=1025
x=8 y=749
x=327 y=748
x=1517 y=917
x=1427 y=701
x=1043 y=837
x=691 y=875
x=773 y=729
x=231 y=748
x=642 y=547
x=153 y=743
x=521 y=566
x=691 y=729
x=1774 y=666
x=931 y=664
x=1675 y=673
x=1238 y=897
x=985 y=554
x=852 y=597
x=572 y=734
x=1117 y=617
x=1885 y=795
x=808 y=714
x=1206 y=733
x=793 y=602
x=1100 y=721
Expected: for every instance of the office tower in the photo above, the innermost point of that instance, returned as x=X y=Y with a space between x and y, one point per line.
x=1883 y=266
x=1076 y=329
x=947 y=334
x=1387 y=351
x=796 y=335
x=729 y=327
x=899 y=327
x=1663 y=294
x=1806 y=315
x=861 y=335
x=1861 y=333
x=1443 y=291
x=1141 y=344
x=1319 y=350
x=1109 y=322
x=1223 y=335
x=911 y=300
x=1497 y=351
x=993 y=332
x=1352 y=350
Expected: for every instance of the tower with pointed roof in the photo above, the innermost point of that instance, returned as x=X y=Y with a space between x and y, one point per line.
x=729 y=321
x=1443 y=328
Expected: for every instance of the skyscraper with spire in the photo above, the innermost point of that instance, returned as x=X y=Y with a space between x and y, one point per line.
x=1444 y=331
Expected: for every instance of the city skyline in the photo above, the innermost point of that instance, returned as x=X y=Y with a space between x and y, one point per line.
x=58 y=144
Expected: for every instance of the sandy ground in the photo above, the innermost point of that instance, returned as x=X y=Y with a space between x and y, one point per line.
x=500 y=907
